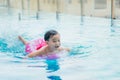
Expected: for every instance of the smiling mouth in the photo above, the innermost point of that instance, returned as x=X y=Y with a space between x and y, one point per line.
x=56 y=46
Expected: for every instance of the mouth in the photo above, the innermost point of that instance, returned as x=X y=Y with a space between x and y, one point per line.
x=57 y=46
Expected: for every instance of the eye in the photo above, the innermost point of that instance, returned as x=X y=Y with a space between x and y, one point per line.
x=54 y=41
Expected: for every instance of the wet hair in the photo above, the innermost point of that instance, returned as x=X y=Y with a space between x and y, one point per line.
x=49 y=34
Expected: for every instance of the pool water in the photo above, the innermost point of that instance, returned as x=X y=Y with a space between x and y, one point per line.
x=94 y=47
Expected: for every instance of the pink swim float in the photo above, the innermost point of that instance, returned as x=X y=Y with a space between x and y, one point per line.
x=35 y=45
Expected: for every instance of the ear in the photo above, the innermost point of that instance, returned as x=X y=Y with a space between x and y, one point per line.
x=46 y=42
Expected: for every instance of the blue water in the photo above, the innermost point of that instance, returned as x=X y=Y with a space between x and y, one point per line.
x=94 y=47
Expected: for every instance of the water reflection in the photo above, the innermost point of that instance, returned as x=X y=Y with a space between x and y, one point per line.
x=54 y=77
x=52 y=66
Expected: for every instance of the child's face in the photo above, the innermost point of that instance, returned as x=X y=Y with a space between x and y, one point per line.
x=54 y=41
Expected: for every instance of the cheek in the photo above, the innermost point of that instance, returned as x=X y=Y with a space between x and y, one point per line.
x=50 y=43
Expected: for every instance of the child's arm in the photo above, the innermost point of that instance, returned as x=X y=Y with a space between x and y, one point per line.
x=33 y=54
x=36 y=53
x=66 y=49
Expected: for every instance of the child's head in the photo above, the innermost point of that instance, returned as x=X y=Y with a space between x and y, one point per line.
x=52 y=38
x=50 y=34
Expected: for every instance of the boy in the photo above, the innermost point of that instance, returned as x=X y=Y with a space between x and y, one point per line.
x=47 y=47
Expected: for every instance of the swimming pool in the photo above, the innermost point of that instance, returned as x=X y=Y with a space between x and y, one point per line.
x=95 y=49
